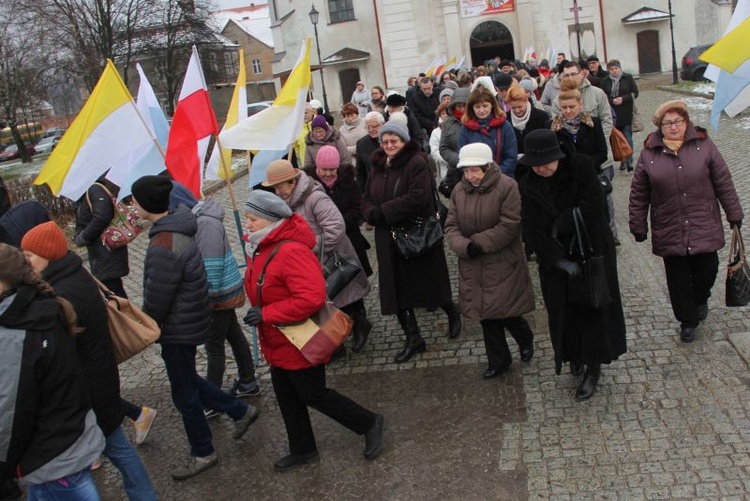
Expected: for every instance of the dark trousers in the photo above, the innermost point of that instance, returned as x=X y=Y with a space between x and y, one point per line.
x=130 y=409
x=296 y=390
x=191 y=393
x=498 y=353
x=224 y=326
x=689 y=279
x=115 y=285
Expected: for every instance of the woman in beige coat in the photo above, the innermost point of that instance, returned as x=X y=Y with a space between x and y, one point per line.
x=484 y=230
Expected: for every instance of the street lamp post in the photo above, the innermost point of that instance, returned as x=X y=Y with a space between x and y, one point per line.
x=674 y=54
x=314 y=15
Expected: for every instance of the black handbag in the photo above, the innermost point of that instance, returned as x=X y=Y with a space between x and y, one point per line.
x=338 y=272
x=738 y=272
x=592 y=289
x=417 y=236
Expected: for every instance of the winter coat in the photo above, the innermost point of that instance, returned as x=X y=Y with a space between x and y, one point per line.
x=596 y=104
x=424 y=108
x=497 y=283
x=223 y=275
x=361 y=99
x=682 y=191
x=538 y=119
x=293 y=289
x=348 y=200
x=578 y=334
x=332 y=138
x=440 y=164
x=351 y=134
x=628 y=91
x=91 y=222
x=589 y=140
x=365 y=148
x=49 y=430
x=549 y=95
x=71 y=281
x=19 y=219
x=404 y=190
x=175 y=289
x=449 y=140
x=310 y=201
x=501 y=139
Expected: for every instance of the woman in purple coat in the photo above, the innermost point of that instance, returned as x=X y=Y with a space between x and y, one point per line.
x=681 y=178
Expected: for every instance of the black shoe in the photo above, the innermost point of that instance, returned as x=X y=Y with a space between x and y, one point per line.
x=374 y=438
x=622 y=166
x=293 y=461
x=576 y=368
x=492 y=372
x=588 y=385
x=687 y=334
x=454 y=321
x=411 y=348
x=362 y=328
x=630 y=169
x=702 y=312
x=338 y=354
x=617 y=242
x=527 y=352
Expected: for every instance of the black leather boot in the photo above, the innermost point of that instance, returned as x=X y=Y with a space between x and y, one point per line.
x=414 y=341
x=588 y=385
x=454 y=320
x=361 y=329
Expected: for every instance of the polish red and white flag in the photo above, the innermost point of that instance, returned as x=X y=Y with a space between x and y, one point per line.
x=193 y=124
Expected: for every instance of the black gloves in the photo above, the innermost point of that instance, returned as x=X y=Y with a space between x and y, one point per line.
x=473 y=250
x=253 y=316
x=376 y=217
x=640 y=237
x=569 y=267
x=737 y=224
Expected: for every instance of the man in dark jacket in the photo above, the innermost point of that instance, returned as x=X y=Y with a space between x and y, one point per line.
x=46 y=248
x=94 y=212
x=175 y=294
x=595 y=67
x=366 y=145
x=423 y=103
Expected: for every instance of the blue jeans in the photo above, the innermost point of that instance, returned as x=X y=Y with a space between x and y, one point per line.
x=191 y=393
x=74 y=487
x=134 y=476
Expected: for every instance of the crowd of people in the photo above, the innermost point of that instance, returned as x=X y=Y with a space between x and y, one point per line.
x=520 y=152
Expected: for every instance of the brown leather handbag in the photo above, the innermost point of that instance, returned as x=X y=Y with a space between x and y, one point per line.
x=621 y=149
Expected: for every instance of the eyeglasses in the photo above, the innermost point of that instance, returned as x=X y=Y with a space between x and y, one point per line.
x=387 y=142
x=668 y=124
x=566 y=75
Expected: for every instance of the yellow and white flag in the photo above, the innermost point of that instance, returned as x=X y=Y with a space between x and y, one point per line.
x=101 y=137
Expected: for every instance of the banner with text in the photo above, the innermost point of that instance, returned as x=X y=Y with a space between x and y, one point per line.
x=473 y=8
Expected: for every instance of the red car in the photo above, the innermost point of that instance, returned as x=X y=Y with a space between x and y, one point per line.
x=11 y=152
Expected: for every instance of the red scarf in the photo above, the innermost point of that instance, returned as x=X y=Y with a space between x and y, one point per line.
x=494 y=123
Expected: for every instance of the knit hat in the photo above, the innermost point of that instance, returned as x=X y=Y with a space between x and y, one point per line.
x=395 y=100
x=315 y=104
x=394 y=127
x=320 y=121
x=591 y=59
x=267 y=205
x=474 y=155
x=46 y=240
x=503 y=81
x=528 y=84
x=540 y=147
x=451 y=84
x=665 y=107
x=328 y=158
x=485 y=82
x=614 y=62
x=152 y=193
x=279 y=171
x=544 y=63
x=459 y=97
x=446 y=92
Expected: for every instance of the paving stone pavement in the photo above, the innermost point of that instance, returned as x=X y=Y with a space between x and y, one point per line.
x=668 y=421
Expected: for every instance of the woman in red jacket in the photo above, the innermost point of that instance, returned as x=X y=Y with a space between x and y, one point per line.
x=294 y=289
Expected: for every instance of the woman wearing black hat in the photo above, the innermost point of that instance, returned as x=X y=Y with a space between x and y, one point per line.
x=400 y=188
x=556 y=184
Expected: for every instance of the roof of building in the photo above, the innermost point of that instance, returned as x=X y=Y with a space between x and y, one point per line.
x=254 y=20
x=645 y=15
x=346 y=55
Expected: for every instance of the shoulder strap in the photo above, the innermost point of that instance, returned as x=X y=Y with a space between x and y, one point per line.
x=582 y=234
x=262 y=275
x=499 y=149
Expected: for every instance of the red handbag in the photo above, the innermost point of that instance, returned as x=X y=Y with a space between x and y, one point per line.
x=125 y=225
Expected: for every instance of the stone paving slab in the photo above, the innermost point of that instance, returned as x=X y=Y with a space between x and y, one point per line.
x=668 y=421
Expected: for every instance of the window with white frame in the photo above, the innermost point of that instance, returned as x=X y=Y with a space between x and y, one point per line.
x=257 y=68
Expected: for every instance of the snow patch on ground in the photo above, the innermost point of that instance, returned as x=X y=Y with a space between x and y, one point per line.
x=705 y=88
x=698 y=103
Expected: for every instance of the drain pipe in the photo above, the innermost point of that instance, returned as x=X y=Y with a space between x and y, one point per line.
x=380 y=41
x=604 y=31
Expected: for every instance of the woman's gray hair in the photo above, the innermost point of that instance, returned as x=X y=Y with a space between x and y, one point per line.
x=375 y=115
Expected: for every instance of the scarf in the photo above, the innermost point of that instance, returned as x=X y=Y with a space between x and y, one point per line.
x=485 y=125
x=673 y=145
x=327 y=182
x=254 y=239
x=572 y=126
x=456 y=113
x=615 y=85
x=520 y=122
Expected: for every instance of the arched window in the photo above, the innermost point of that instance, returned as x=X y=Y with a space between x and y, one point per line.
x=490 y=39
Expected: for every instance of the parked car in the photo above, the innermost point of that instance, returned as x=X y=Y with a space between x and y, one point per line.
x=254 y=108
x=47 y=144
x=693 y=68
x=54 y=132
x=11 y=152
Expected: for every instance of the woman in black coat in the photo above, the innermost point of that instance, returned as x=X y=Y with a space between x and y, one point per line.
x=576 y=130
x=525 y=118
x=582 y=336
x=400 y=187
